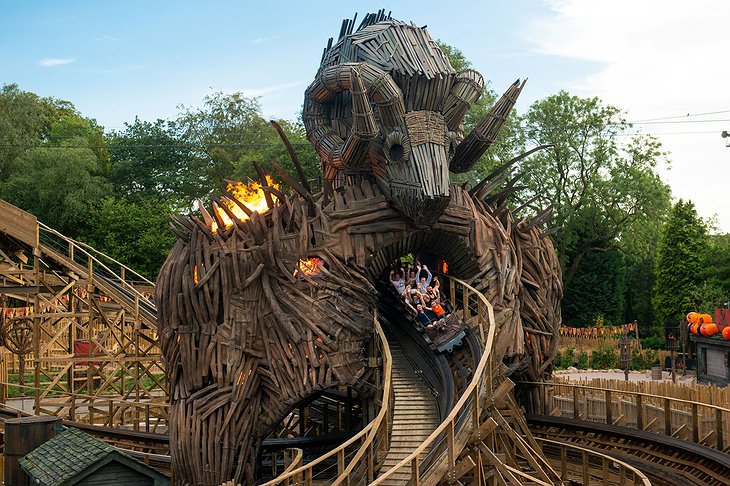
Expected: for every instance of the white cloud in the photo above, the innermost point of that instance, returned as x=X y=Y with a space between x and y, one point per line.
x=261 y=40
x=53 y=62
x=655 y=59
x=266 y=90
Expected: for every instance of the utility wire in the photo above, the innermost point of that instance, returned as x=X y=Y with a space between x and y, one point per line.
x=680 y=116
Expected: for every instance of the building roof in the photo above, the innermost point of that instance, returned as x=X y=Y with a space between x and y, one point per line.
x=73 y=453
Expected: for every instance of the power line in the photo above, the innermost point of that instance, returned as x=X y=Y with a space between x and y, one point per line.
x=683 y=121
x=681 y=116
x=186 y=146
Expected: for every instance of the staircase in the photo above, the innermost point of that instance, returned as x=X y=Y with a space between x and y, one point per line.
x=415 y=415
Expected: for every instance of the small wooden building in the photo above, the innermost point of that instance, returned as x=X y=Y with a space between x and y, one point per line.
x=713 y=359
x=74 y=457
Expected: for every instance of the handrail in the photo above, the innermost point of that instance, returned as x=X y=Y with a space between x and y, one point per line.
x=84 y=247
x=718 y=427
x=124 y=284
x=468 y=403
x=637 y=474
x=367 y=433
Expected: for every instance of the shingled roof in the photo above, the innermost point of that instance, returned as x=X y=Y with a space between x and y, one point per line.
x=74 y=453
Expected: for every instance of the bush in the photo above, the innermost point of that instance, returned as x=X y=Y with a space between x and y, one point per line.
x=582 y=361
x=653 y=342
x=643 y=360
x=563 y=361
x=604 y=359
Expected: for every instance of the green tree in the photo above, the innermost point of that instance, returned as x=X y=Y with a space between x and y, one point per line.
x=57 y=184
x=148 y=160
x=132 y=231
x=717 y=262
x=228 y=134
x=680 y=256
x=597 y=290
x=26 y=120
x=604 y=195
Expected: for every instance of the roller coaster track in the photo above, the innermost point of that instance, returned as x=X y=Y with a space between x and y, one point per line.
x=82 y=304
x=664 y=460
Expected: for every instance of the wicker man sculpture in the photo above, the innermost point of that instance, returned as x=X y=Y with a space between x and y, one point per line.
x=248 y=332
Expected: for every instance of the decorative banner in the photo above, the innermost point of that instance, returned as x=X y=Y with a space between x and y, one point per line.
x=597 y=332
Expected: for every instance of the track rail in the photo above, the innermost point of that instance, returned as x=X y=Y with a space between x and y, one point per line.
x=445 y=444
x=371 y=442
x=664 y=460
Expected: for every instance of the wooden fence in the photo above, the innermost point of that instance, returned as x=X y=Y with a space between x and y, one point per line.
x=698 y=422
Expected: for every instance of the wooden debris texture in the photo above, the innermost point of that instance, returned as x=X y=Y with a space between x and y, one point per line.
x=247 y=335
x=249 y=339
x=414 y=134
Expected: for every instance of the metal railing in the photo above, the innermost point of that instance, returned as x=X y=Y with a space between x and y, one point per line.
x=696 y=422
x=437 y=455
x=372 y=441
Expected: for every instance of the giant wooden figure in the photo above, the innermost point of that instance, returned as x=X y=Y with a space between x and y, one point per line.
x=248 y=334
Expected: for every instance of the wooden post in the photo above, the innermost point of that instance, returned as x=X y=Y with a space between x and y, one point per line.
x=563 y=463
x=415 y=474
x=576 y=404
x=609 y=408
x=667 y=417
x=586 y=477
x=340 y=461
x=639 y=412
x=450 y=437
x=695 y=424
x=719 y=430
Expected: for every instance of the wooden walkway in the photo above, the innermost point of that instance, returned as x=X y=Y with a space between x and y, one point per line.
x=415 y=415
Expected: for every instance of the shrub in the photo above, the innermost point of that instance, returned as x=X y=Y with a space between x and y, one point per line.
x=604 y=359
x=582 y=361
x=653 y=342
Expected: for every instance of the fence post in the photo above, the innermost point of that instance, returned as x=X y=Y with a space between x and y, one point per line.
x=695 y=424
x=576 y=404
x=667 y=417
x=639 y=412
x=609 y=408
x=415 y=474
x=719 y=429
x=452 y=450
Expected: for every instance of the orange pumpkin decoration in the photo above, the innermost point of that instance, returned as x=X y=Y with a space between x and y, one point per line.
x=695 y=328
x=710 y=329
x=704 y=319
x=691 y=317
x=703 y=329
x=726 y=332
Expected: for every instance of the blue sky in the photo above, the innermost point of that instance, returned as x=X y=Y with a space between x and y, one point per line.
x=654 y=59
x=118 y=60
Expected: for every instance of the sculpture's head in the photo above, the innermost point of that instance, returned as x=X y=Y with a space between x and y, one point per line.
x=414 y=135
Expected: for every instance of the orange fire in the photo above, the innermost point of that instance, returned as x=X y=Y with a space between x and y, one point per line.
x=251 y=195
x=311 y=266
x=195 y=274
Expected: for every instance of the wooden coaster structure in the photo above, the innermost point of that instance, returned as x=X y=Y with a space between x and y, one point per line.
x=84 y=322
x=17 y=336
x=258 y=310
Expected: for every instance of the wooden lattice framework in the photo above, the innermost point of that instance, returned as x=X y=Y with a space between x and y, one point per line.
x=94 y=352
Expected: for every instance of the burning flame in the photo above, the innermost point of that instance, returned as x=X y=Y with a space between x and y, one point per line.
x=251 y=195
x=310 y=266
x=195 y=274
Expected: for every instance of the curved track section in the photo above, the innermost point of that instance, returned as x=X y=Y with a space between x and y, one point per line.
x=665 y=460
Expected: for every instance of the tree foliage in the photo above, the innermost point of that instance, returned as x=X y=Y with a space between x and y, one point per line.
x=680 y=256
x=228 y=134
x=132 y=231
